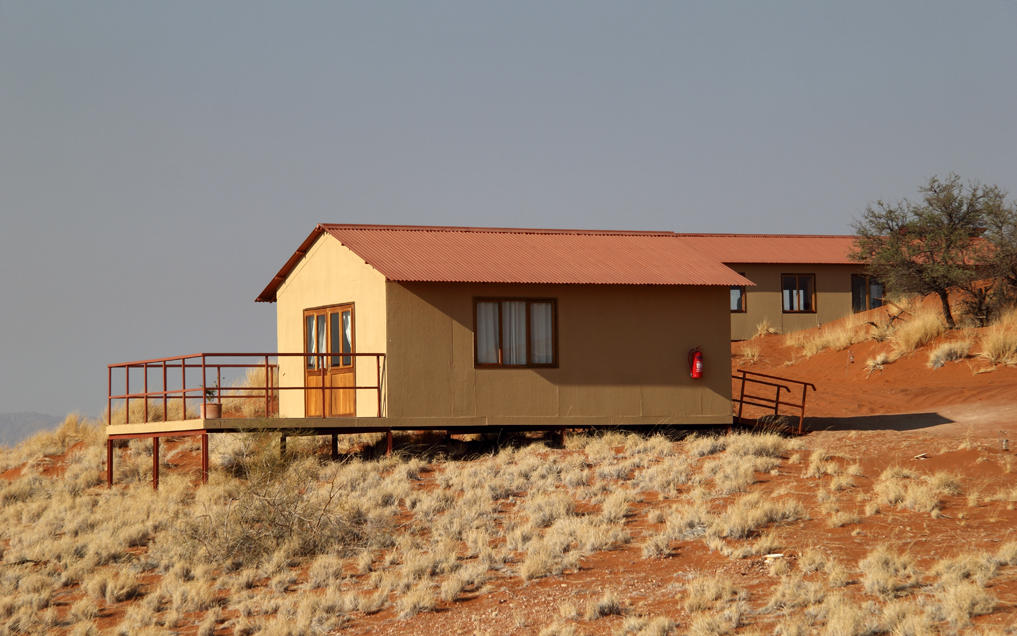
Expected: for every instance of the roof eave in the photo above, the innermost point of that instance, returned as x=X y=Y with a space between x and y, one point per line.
x=269 y=293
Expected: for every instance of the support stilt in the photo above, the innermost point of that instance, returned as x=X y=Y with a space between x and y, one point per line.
x=155 y=463
x=282 y=446
x=109 y=463
x=335 y=446
x=388 y=442
x=204 y=458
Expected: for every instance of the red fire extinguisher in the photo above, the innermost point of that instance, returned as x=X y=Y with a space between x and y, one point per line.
x=696 y=363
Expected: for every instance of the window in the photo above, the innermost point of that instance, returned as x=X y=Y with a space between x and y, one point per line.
x=515 y=333
x=866 y=292
x=738 y=297
x=799 y=293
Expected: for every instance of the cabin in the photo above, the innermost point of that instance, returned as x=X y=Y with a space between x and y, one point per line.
x=386 y=328
x=449 y=327
x=800 y=281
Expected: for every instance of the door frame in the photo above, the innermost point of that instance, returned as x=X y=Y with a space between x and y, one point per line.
x=323 y=370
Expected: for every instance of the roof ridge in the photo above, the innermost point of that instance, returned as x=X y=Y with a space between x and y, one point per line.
x=489 y=230
x=736 y=235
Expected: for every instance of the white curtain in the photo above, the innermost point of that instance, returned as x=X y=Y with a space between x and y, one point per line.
x=487 y=333
x=347 y=337
x=514 y=332
x=541 y=345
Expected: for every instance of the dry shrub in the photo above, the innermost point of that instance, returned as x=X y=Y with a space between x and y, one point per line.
x=606 y=605
x=877 y=362
x=764 y=328
x=750 y=353
x=751 y=512
x=796 y=339
x=886 y=573
x=794 y=591
x=272 y=507
x=952 y=351
x=980 y=567
x=881 y=329
x=704 y=592
x=924 y=326
x=419 y=599
x=838 y=338
x=958 y=602
x=999 y=342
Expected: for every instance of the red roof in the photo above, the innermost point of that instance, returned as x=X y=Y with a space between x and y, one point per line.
x=492 y=255
x=775 y=248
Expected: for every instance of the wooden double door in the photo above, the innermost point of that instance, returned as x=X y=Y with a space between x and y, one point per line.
x=329 y=376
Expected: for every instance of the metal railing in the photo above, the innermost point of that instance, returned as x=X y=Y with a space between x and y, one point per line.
x=205 y=383
x=767 y=402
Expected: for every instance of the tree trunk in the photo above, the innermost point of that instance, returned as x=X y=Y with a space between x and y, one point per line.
x=945 y=299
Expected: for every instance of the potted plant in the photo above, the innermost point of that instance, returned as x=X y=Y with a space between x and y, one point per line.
x=210 y=409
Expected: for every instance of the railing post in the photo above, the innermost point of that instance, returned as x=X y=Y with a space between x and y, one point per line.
x=165 y=398
x=377 y=367
x=268 y=384
x=155 y=462
x=146 y=391
x=183 y=388
x=801 y=415
x=127 y=394
x=109 y=394
x=324 y=375
x=109 y=462
x=741 y=397
x=204 y=457
x=776 y=402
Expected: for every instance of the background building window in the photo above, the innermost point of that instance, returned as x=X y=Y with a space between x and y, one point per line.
x=515 y=333
x=799 y=293
x=738 y=297
x=866 y=292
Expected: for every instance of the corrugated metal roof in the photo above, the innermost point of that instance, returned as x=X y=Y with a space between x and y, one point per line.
x=496 y=255
x=775 y=248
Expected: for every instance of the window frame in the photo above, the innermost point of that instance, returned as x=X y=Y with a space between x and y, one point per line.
x=744 y=299
x=529 y=353
x=869 y=280
x=815 y=294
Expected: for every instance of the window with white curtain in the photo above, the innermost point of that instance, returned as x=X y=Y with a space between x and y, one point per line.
x=515 y=332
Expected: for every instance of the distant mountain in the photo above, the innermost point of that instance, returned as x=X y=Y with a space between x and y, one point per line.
x=15 y=427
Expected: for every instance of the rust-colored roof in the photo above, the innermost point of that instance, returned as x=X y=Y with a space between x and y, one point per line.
x=496 y=255
x=775 y=248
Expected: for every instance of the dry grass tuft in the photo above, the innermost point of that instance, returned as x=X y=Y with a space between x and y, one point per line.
x=704 y=592
x=750 y=353
x=885 y=573
x=764 y=328
x=924 y=326
x=999 y=342
x=606 y=605
x=953 y=351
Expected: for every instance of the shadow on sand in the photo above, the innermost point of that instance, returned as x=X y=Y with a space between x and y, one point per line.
x=901 y=422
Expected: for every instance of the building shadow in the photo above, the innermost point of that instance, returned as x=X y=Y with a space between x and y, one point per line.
x=899 y=422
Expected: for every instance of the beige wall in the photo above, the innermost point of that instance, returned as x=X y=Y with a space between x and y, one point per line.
x=330 y=274
x=833 y=297
x=622 y=357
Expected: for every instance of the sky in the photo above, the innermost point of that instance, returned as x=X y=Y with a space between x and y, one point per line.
x=160 y=161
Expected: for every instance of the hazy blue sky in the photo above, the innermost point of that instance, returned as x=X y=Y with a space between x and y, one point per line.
x=160 y=161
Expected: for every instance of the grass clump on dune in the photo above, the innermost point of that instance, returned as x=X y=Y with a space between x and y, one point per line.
x=924 y=326
x=999 y=342
x=953 y=351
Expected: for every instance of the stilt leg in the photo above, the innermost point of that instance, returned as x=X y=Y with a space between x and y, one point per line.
x=563 y=437
x=155 y=463
x=204 y=458
x=282 y=446
x=109 y=463
x=388 y=442
x=335 y=446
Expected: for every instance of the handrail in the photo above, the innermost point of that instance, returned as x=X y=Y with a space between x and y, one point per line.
x=774 y=402
x=206 y=390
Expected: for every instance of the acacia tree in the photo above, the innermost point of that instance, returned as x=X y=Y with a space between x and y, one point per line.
x=935 y=245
